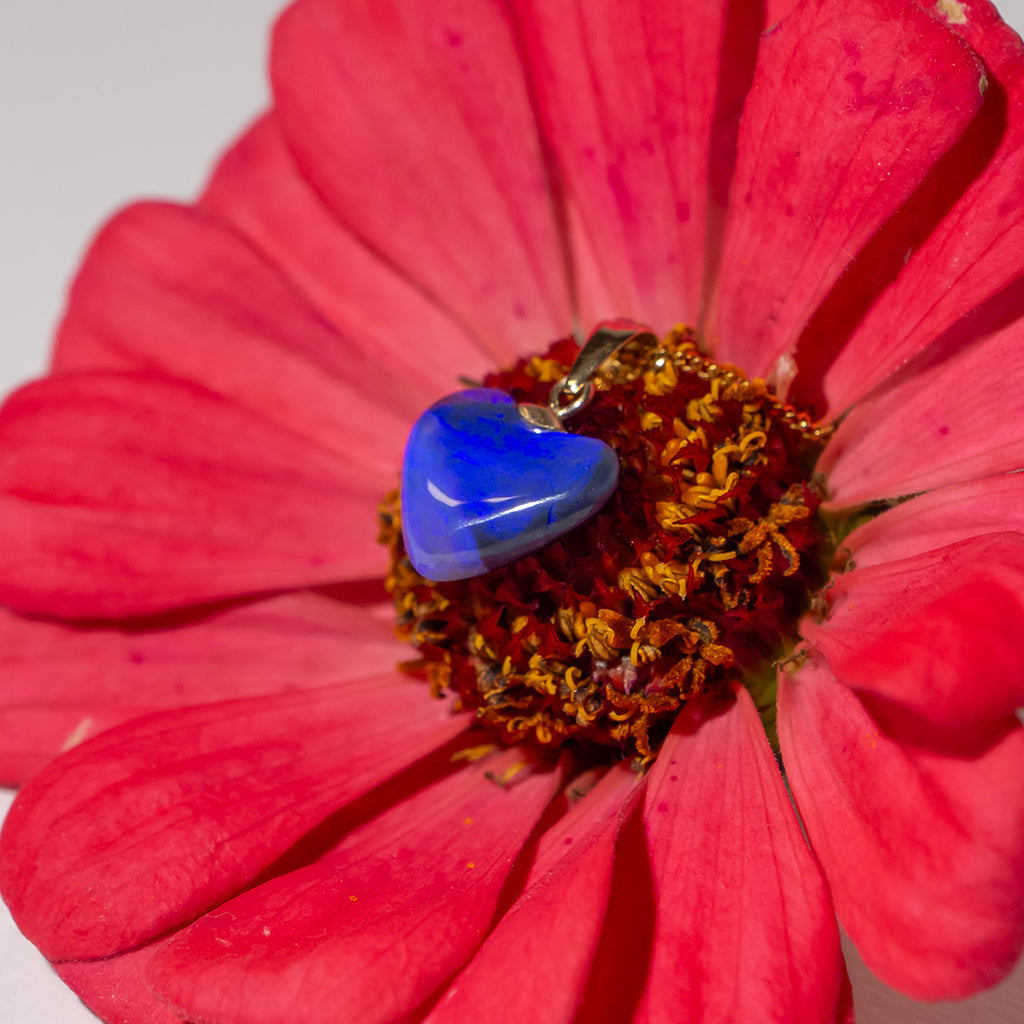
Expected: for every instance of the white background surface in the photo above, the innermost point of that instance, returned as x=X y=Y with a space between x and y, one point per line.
x=106 y=101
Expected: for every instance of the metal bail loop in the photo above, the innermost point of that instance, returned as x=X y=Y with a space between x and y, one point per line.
x=575 y=390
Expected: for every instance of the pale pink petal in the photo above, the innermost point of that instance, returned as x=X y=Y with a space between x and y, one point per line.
x=850 y=107
x=632 y=97
x=744 y=930
x=555 y=924
x=402 y=338
x=950 y=423
x=974 y=253
x=921 y=834
x=127 y=494
x=414 y=123
x=173 y=289
x=938 y=631
x=371 y=930
x=994 y=504
x=60 y=684
x=151 y=823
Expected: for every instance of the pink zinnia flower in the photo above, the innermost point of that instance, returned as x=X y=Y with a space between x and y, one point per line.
x=258 y=817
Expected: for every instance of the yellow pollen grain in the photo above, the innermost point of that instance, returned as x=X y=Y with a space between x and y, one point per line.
x=669 y=452
x=720 y=467
x=508 y=774
x=955 y=13
x=661 y=380
x=634 y=653
x=547 y=371
x=476 y=753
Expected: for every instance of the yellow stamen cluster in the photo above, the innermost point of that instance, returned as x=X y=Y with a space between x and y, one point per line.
x=692 y=577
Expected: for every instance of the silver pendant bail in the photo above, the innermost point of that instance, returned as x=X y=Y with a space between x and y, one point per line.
x=575 y=390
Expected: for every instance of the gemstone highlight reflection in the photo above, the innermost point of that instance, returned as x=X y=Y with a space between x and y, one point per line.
x=482 y=487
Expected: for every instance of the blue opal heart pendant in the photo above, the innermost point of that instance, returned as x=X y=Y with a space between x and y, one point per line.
x=486 y=480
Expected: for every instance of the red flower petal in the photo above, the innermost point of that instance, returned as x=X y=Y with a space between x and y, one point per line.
x=173 y=289
x=974 y=253
x=398 y=332
x=933 y=520
x=147 y=825
x=744 y=929
x=554 y=926
x=921 y=837
x=939 y=631
x=629 y=96
x=953 y=422
x=115 y=500
x=371 y=930
x=116 y=989
x=776 y=10
x=31 y=736
x=414 y=123
x=60 y=684
x=850 y=108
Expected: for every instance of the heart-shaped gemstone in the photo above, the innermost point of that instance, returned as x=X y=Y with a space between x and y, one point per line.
x=482 y=487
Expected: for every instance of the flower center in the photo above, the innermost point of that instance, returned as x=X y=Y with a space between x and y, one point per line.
x=692 y=577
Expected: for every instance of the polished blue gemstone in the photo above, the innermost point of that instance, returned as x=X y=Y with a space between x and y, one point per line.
x=482 y=487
